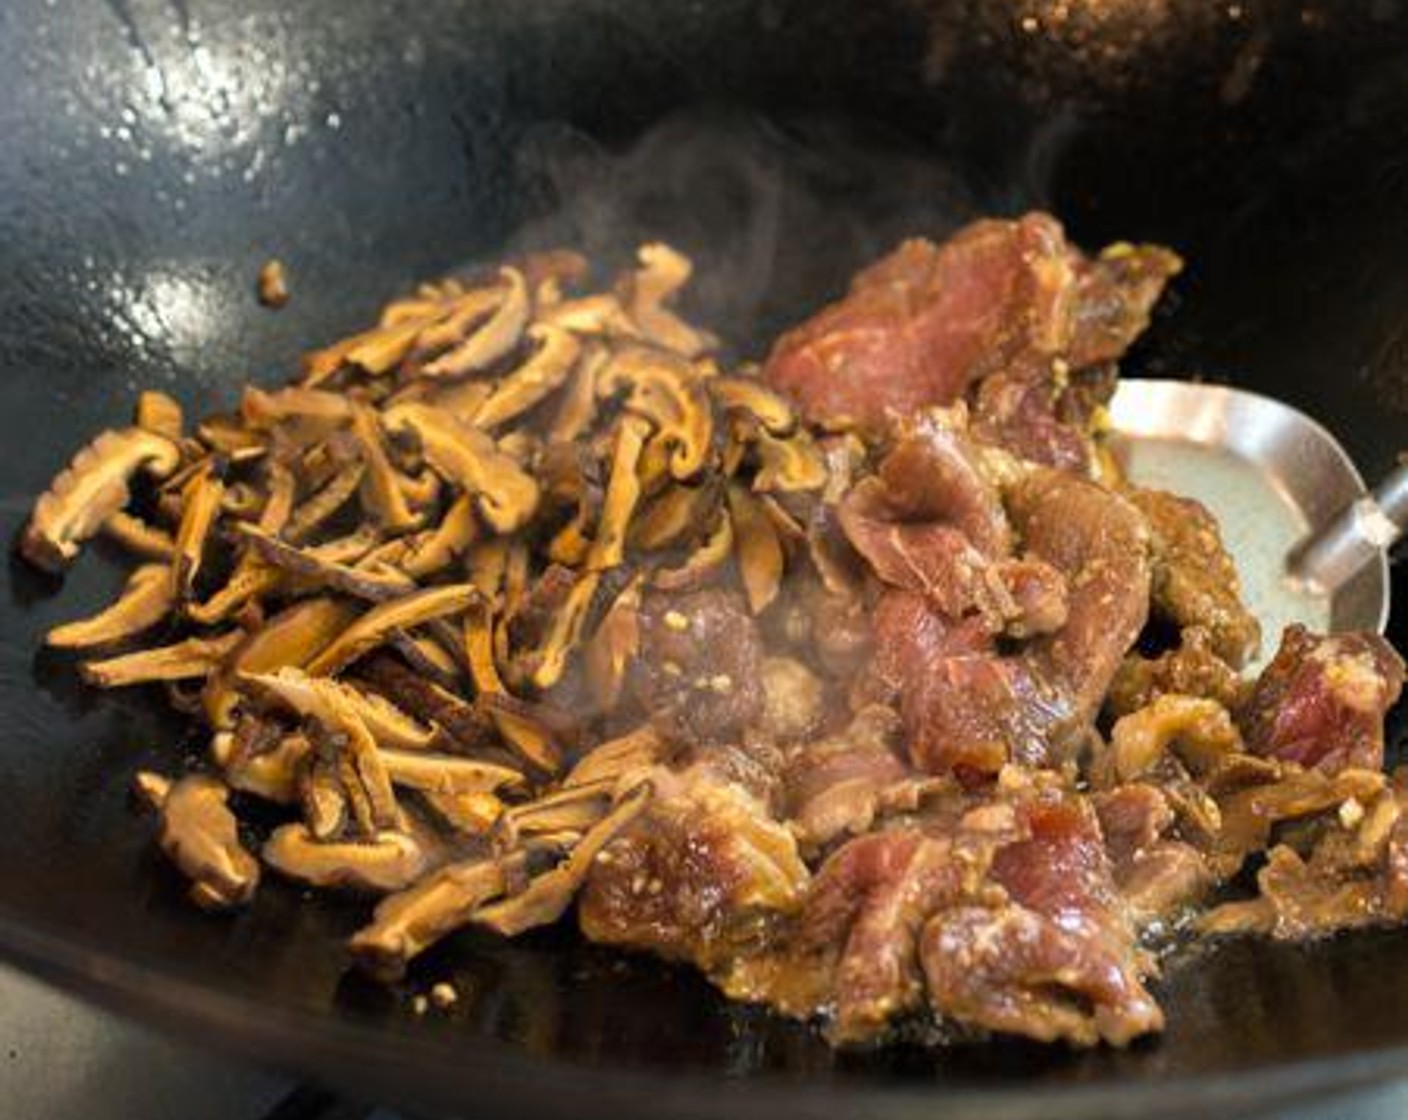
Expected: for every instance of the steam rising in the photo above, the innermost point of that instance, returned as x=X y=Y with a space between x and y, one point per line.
x=775 y=218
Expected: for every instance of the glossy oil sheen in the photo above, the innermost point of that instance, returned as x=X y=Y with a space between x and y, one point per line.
x=156 y=153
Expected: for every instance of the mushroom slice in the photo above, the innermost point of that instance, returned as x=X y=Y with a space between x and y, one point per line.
x=200 y=836
x=138 y=537
x=263 y=410
x=547 y=897
x=473 y=814
x=229 y=436
x=578 y=405
x=788 y=464
x=159 y=414
x=532 y=382
x=317 y=571
x=183 y=661
x=673 y=514
x=612 y=760
x=290 y=639
x=389 y=861
x=373 y=628
x=446 y=542
x=622 y=494
x=272 y=774
x=250 y=579
x=447 y=773
x=759 y=552
x=614 y=644
x=427 y=657
x=600 y=314
x=282 y=489
x=389 y=725
x=1200 y=731
x=665 y=389
x=462 y=399
x=703 y=562
x=321 y=505
x=201 y=497
x=320 y=793
x=492 y=341
x=527 y=739
x=462 y=726
x=566 y=631
x=369 y=788
x=467 y=458
x=381 y=489
x=752 y=398
x=408 y=923
x=468 y=310
x=91 y=489
x=145 y=600
x=487 y=565
x=573 y=809
x=663 y=272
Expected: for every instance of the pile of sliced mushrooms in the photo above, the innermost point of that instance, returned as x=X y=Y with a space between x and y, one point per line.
x=401 y=592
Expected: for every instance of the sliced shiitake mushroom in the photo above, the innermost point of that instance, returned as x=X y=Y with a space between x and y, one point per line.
x=314 y=570
x=759 y=552
x=201 y=499
x=145 y=601
x=703 y=562
x=185 y=660
x=374 y=627
x=614 y=645
x=665 y=389
x=447 y=773
x=388 y=861
x=439 y=547
x=497 y=338
x=138 y=537
x=749 y=396
x=199 y=834
x=647 y=293
x=317 y=508
x=91 y=489
x=382 y=493
x=788 y=464
x=622 y=492
x=535 y=380
x=159 y=414
x=467 y=458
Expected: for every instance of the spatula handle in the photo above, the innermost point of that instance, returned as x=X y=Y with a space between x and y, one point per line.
x=1326 y=560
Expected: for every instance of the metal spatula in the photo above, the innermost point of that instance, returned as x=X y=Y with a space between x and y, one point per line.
x=1310 y=539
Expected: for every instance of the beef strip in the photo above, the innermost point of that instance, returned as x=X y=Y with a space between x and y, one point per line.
x=1058 y=959
x=1189 y=669
x=1157 y=877
x=1322 y=700
x=1195 y=582
x=704 y=875
x=699 y=669
x=921 y=325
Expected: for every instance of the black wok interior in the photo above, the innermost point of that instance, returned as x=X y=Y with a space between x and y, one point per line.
x=154 y=154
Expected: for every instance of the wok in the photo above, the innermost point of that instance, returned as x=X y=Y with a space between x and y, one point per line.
x=155 y=154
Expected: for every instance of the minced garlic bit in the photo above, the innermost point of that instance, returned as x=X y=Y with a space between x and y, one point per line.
x=1351 y=812
x=676 y=621
x=721 y=683
x=272 y=284
x=444 y=995
x=419 y=1004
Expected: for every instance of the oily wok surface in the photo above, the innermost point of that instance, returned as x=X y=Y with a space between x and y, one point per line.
x=158 y=154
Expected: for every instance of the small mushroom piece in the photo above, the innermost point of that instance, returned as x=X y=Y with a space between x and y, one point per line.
x=612 y=760
x=460 y=725
x=139 y=538
x=377 y=624
x=1201 y=732
x=530 y=741
x=674 y=514
x=313 y=569
x=571 y=809
x=466 y=311
x=665 y=389
x=200 y=836
x=467 y=458
x=577 y=407
x=263 y=410
x=547 y=897
x=409 y=922
x=703 y=562
x=471 y=814
x=427 y=657
x=201 y=498
x=389 y=861
x=495 y=339
x=376 y=351
x=749 y=396
x=446 y=773
x=788 y=465
x=535 y=380
x=759 y=552
x=662 y=273
x=91 y=489
x=271 y=774
x=229 y=436
x=622 y=493
x=250 y=579
x=325 y=804
x=320 y=506
x=145 y=600
x=373 y=802
x=566 y=631
x=449 y=540
x=159 y=414
x=381 y=490
x=614 y=644
x=281 y=488
x=600 y=315
x=185 y=660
